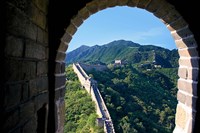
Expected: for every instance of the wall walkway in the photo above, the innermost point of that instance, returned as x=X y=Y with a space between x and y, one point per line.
x=91 y=86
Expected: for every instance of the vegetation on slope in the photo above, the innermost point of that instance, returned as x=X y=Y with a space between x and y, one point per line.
x=139 y=100
x=80 y=109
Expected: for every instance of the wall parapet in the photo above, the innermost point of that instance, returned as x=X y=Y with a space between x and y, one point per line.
x=91 y=87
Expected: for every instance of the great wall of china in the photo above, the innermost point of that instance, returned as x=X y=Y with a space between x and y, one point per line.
x=90 y=85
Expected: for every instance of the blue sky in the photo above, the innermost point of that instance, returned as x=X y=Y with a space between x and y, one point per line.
x=133 y=24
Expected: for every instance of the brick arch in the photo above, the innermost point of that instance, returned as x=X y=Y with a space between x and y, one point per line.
x=185 y=42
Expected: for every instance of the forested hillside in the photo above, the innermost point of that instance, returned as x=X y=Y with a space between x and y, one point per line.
x=139 y=100
x=127 y=51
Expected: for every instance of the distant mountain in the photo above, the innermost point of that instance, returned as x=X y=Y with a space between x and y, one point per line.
x=127 y=51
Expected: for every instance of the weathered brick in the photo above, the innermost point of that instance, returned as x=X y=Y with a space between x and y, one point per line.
x=13 y=95
x=30 y=126
x=133 y=3
x=33 y=88
x=63 y=47
x=30 y=30
x=41 y=36
x=34 y=50
x=77 y=21
x=164 y=10
x=180 y=117
x=189 y=62
x=111 y=3
x=193 y=74
x=143 y=3
x=27 y=111
x=188 y=86
x=178 y=24
x=92 y=6
x=14 y=46
x=25 y=91
x=84 y=13
x=16 y=21
x=71 y=29
x=103 y=4
x=60 y=56
x=42 y=5
x=181 y=97
x=60 y=81
x=154 y=5
x=190 y=52
x=183 y=33
x=42 y=84
x=60 y=67
x=28 y=70
x=122 y=2
x=11 y=119
x=66 y=38
x=183 y=72
x=41 y=100
x=191 y=102
x=186 y=42
x=42 y=68
x=172 y=16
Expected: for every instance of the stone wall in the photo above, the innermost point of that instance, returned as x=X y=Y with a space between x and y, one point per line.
x=25 y=88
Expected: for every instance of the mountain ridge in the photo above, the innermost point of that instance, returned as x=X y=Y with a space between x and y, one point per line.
x=124 y=50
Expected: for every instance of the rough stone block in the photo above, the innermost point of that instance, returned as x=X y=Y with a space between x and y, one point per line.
x=154 y=5
x=14 y=46
x=133 y=3
x=30 y=30
x=177 y=25
x=60 y=56
x=25 y=91
x=183 y=33
x=92 y=6
x=183 y=72
x=71 y=29
x=188 y=86
x=28 y=70
x=41 y=100
x=41 y=36
x=181 y=117
x=164 y=10
x=63 y=47
x=27 y=111
x=42 y=5
x=33 y=88
x=84 y=13
x=77 y=21
x=143 y=3
x=186 y=42
x=11 y=119
x=15 y=21
x=60 y=81
x=190 y=52
x=181 y=97
x=13 y=95
x=122 y=2
x=30 y=126
x=42 y=84
x=42 y=68
x=193 y=74
x=66 y=38
x=112 y=3
x=102 y=4
x=34 y=50
x=189 y=62
x=191 y=102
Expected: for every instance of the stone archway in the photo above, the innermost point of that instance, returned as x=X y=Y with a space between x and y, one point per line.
x=185 y=42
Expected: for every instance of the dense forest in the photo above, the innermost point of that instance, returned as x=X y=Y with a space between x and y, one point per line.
x=139 y=100
x=80 y=116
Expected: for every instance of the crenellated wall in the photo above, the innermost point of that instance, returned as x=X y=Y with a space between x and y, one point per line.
x=91 y=86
